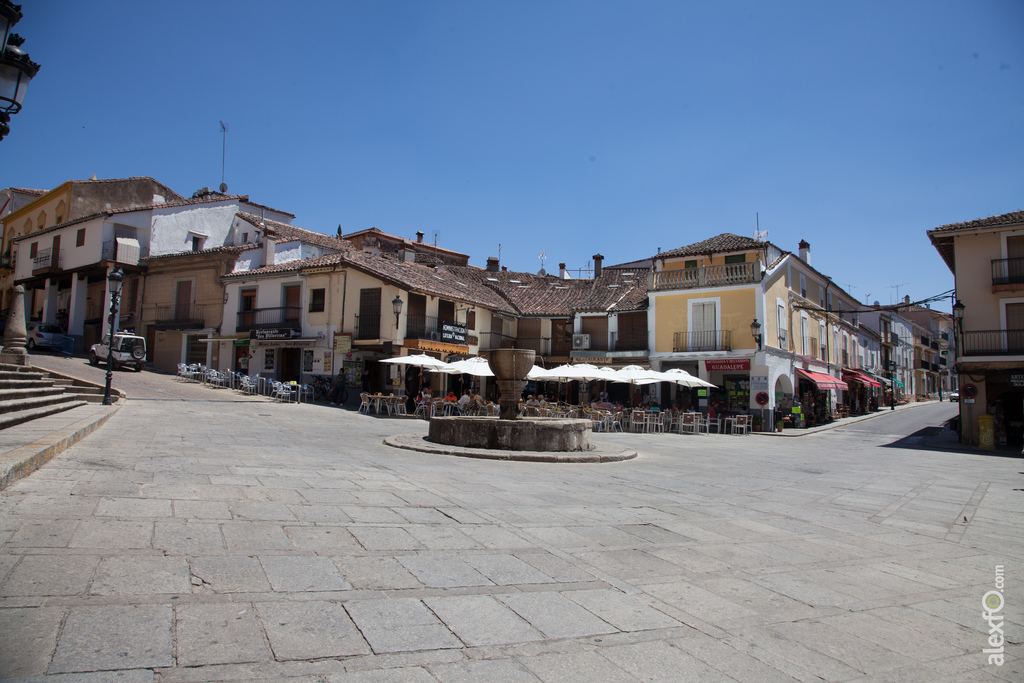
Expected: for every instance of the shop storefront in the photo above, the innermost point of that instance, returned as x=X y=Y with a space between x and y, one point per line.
x=282 y=355
x=863 y=394
x=732 y=381
x=816 y=397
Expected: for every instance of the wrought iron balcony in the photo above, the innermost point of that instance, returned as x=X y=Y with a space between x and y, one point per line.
x=708 y=276
x=993 y=343
x=180 y=317
x=368 y=327
x=707 y=340
x=629 y=342
x=496 y=340
x=47 y=260
x=1008 y=271
x=268 y=318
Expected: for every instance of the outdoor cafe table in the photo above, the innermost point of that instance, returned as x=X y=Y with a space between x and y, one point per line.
x=382 y=402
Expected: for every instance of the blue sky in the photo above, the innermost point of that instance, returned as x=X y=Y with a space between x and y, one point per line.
x=566 y=127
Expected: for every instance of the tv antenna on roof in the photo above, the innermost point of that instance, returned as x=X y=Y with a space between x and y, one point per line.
x=758 y=235
x=543 y=255
x=897 y=288
x=223 y=155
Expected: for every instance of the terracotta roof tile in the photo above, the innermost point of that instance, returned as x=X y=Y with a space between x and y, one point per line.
x=1013 y=218
x=725 y=242
x=292 y=233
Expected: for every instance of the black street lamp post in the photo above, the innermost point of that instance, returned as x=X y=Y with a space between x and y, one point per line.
x=755 y=331
x=115 y=279
x=892 y=385
x=16 y=69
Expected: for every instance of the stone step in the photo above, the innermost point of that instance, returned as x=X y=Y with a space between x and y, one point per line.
x=13 y=375
x=26 y=404
x=26 y=383
x=29 y=392
x=22 y=416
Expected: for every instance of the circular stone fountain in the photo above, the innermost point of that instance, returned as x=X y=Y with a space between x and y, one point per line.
x=509 y=432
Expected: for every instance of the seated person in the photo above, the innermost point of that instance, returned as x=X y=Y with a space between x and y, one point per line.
x=464 y=401
x=450 y=397
x=542 y=401
x=532 y=401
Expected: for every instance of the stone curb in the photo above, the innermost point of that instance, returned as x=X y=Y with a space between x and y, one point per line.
x=25 y=460
x=415 y=442
x=793 y=433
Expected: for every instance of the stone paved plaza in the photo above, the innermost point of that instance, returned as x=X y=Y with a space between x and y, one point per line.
x=225 y=540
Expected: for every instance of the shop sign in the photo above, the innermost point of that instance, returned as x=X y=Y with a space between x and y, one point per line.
x=596 y=360
x=759 y=383
x=727 y=365
x=272 y=334
x=342 y=343
x=1017 y=381
x=240 y=342
x=453 y=333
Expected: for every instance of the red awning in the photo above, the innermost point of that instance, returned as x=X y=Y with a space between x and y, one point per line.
x=861 y=377
x=821 y=380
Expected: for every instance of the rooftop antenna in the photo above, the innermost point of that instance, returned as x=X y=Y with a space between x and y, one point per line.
x=897 y=288
x=543 y=255
x=499 y=252
x=223 y=156
x=758 y=235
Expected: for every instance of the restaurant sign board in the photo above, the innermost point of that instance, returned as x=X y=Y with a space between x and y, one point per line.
x=272 y=333
x=453 y=333
x=728 y=365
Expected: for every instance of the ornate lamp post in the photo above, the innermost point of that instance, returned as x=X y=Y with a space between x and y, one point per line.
x=115 y=280
x=892 y=385
x=755 y=331
x=16 y=69
x=396 y=304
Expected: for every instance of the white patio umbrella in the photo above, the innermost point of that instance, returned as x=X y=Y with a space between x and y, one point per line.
x=477 y=366
x=539 y=374
x=683 y=378
x=420 y=360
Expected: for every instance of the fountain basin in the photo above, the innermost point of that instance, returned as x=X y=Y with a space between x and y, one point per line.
x=528 y=434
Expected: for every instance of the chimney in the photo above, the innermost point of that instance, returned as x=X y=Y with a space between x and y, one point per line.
x=492 y=264
x=504 y=269
x=419 y=236
x=407 y=255
x=805 y=252
x=906 y=299
x=269 y=245
x=561 y=271
x=598 y=259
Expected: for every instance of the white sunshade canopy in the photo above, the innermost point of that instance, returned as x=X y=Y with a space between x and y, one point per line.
x=421 y=360
x=478 y=367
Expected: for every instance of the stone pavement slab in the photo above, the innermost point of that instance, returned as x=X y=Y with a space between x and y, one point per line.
x=109 y=637
x=288 y=543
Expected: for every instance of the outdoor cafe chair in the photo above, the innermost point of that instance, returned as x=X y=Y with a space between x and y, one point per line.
x=364 y=403
x=741 y=425
x=689 y=423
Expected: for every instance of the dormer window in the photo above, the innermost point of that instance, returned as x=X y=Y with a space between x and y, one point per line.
x=197 y=243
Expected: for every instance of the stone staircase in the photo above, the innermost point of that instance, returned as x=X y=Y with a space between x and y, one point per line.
x=27 y=393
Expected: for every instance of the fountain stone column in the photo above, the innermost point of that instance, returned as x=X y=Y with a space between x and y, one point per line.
x=510 y=367
x=15 y=333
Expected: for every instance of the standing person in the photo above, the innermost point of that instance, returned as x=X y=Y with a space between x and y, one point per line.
x=366 y=380
x=338 y=395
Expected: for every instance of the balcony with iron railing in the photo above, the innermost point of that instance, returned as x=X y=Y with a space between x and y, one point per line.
x=707 y=340
x=708 y=276
x=993 y=343
x=539 y=345
x=269 y=318
x=629 y=342
x=180 y=317
x=371 y=327
x=1008 y=271
x=496 y=340
x=46 y=260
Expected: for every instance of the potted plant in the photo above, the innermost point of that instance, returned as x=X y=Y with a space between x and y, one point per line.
x=778 y=425
x=758 y=423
